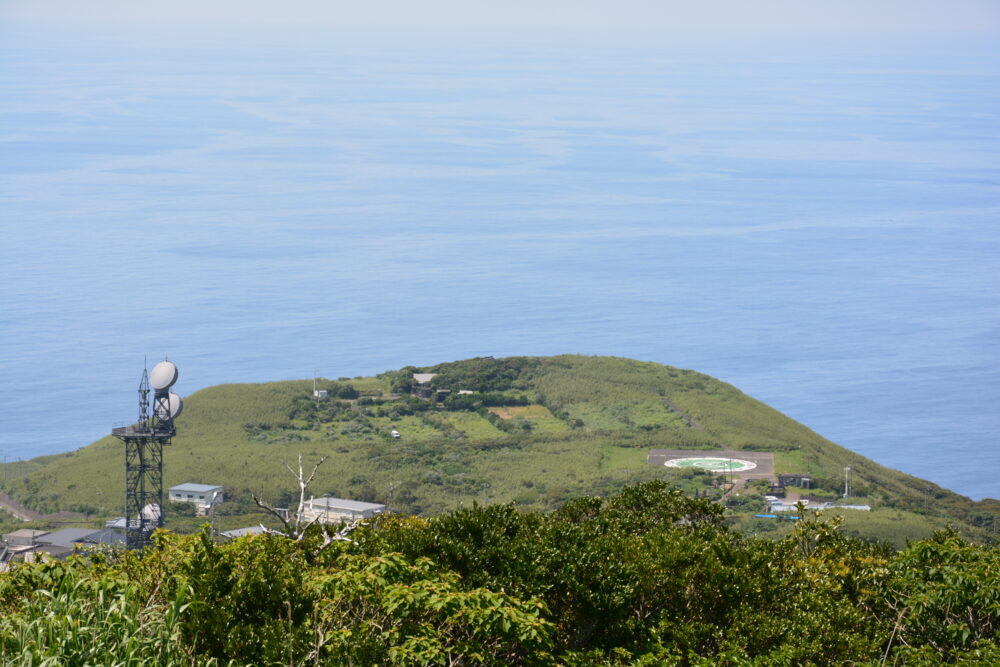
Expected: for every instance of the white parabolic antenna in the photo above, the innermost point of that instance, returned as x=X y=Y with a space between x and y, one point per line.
x=163 y=375
x=174 y=405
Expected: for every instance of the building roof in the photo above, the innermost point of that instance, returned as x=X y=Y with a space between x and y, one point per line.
x=55 y=550
x=190 y=487
x=342 y=504
x=104 y=536
x=25 y=534
x=243 y=532
x=423 y=377
x=67 y=537
x=19 y=548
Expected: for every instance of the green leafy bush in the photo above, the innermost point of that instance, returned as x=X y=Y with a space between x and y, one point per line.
x=645 y=577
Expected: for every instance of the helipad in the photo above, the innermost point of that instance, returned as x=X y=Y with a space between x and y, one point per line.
x=712 y=463
x=746 y=464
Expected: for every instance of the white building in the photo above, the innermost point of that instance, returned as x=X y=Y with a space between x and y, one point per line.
x=339 y=510
x=202 y=495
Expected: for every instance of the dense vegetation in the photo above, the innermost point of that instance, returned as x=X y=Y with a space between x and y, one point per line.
x=644 y=577
x=535 y=431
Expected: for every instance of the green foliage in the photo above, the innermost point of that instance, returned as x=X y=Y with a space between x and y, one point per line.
x=485 y=374
x=401 y=381
x=477 y=401
x=647 y=576
x=174 y=509
x=59 y=614
x=945 y=598
x=389 y=610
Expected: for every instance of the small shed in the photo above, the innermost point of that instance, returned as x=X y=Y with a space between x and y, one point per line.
x=782 y=507
x=802 y=481
x=338 y=510
x=200 y=494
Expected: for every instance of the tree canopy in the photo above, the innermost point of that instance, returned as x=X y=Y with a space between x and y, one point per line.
x=646 y=576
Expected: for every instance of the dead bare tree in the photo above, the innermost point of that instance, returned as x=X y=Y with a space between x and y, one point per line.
x=296 y=529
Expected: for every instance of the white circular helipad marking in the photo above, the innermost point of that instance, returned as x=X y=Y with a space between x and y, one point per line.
x=712 y=463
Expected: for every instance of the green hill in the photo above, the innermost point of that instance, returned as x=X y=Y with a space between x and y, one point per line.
x=535 y=431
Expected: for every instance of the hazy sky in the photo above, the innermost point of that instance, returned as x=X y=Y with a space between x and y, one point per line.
x=867 y=15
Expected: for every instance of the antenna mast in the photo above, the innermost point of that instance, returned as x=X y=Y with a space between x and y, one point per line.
x=144 y=443
x=144 y=397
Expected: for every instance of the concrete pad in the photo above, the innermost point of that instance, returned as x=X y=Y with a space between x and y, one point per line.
x=763 y=460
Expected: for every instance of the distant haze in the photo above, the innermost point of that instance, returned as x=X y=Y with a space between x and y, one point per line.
x=852 y=15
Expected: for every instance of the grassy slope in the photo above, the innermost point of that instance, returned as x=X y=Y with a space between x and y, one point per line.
x=591 y=424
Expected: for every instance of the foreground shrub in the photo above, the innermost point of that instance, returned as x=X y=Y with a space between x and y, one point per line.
x=647 y=577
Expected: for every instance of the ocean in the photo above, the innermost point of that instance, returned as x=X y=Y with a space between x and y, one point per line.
x=814 y=220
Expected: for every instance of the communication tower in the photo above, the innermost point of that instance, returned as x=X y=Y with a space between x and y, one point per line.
x=144 y=442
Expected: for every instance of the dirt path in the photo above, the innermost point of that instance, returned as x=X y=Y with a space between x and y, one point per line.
x=17 y=509
x=688 y=419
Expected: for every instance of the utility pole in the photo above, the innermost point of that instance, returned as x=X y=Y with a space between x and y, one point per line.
x=847 y=481
x=388 y=495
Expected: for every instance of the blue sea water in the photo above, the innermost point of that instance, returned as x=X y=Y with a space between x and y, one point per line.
x=814 y=221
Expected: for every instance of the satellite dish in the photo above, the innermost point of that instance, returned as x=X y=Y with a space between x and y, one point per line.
x=176 y=405
x=170 y=408
x=150 y=512
x=164 y=375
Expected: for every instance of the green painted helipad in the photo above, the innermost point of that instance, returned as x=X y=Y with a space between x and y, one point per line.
x=712 y=463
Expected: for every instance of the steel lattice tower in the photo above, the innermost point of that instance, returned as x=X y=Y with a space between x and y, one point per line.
x=144 y=442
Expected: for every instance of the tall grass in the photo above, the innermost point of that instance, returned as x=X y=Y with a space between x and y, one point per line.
x=86 y=622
